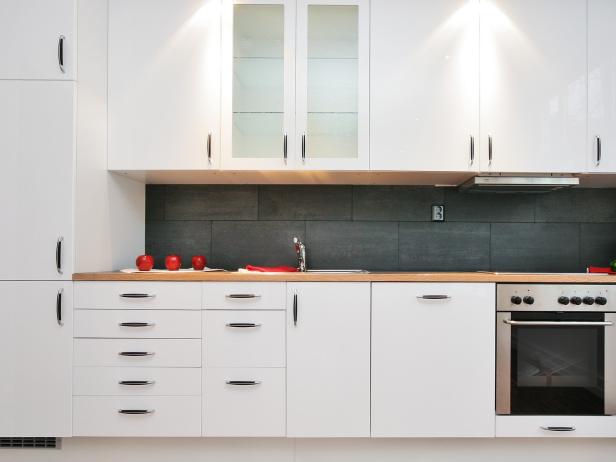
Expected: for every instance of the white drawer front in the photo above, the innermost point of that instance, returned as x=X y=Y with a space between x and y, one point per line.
x=531 y=426
x=170 y=416
x=244 y=410
x=231 y=342
x=136 y=381
x=138 y=295
x=138 y=323
x=244 y=295
x=166 y=352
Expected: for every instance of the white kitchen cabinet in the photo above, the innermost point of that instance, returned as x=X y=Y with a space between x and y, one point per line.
x=328 y=359
x=35 y=357
x=40 y=39
x=533 y=86
x=424 y=85
x=433 y=348
x=37 y=146
x=601 y=89
x=164 y=84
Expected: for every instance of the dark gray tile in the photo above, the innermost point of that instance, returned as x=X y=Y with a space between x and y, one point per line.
x=444 y=246
x=542 y=247
x=486 y=208
x=154 y=202
x=349 y=245
x=598 y=244
x=206 y=202
x=185 y=238
x=239 y=243
x=577 y=206
x=395 y=203
x=305 y=202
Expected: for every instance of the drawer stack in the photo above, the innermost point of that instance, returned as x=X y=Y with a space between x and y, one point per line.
x=137 y=359
x=244 y=358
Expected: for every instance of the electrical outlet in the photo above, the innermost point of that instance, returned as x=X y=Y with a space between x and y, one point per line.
x=438 y=213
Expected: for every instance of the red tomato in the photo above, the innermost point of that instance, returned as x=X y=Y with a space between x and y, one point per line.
x=199 y=262
x=173 y=262
x=145 y=262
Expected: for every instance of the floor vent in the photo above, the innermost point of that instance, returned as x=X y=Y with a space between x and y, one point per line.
x=26 y=443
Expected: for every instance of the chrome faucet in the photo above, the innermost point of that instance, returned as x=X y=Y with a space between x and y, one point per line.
x=300 y=250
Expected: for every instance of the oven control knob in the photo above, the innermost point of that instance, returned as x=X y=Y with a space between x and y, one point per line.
x=563 y=300
x=601 y=301
x=576 y=300
x=588 y=301
x=516 y=300
x=529 y=300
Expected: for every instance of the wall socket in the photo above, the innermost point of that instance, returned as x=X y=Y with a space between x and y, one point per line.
x=438 y=213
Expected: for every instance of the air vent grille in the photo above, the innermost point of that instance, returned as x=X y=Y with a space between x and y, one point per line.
x=24 y=443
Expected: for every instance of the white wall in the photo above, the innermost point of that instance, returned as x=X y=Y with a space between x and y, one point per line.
x=109 y=209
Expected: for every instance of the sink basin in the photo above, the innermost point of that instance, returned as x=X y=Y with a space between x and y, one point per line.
x=337 y=271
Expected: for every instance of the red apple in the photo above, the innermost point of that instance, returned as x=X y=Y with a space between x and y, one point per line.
x=199 y=262
x=145 y=262
x=173 y=262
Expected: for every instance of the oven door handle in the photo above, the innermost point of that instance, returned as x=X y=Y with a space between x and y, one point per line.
x=512 y=322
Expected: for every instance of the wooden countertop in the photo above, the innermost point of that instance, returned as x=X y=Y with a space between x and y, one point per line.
x=563 y=278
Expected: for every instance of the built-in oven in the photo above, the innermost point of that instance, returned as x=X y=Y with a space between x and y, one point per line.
x=556 y=349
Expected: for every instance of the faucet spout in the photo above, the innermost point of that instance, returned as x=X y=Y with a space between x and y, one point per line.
x=300 y=250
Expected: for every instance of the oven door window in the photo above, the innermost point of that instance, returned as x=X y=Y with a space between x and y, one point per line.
x=557 y=370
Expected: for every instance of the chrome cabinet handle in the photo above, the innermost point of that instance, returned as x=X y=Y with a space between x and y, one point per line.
x=209 y=147
x=598 y=139
x=243 y=325
x=136 y=411
x=136 y=383
x=558 y=429
x=61 y=53
x=303 y=147
x=59 y=254
x=136 y=353
x=489 y=150
x=59 y=307
x=243 y=296
x=512 y=322
x=129 y=295
x=242 y=383
x=284 y=147
x=136 y=324
x=434 y=297
x=295 y=309
x=472 y=147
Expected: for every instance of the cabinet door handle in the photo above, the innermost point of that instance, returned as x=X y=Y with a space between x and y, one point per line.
x=136 y=295
x=136 y=383
x=61 y=53
x=136 y=411
x=243 y=325
x=136 y=353
x=295 y=309
x=598 y=140
x=136 y=324
x=59 y=307
x=303 y=147
x=243 y=383
x=243 y=296
x=284 y=147
x=209 y=147
x=558 y=429
x=59 y=254
x=490 y=150
x=472 y=147
x=434 y=297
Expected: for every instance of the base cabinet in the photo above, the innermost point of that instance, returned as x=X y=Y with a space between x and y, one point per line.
x=551 y=426
x=433 y=360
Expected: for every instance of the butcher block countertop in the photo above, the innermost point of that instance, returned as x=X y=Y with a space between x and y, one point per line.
x=560 y=278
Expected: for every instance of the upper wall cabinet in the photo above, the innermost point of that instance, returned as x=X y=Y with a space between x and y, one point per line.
x=533 y=85
x=601 y=89
x=295 y=85
x=40 y=39
x=424 y=85
x=164 y=84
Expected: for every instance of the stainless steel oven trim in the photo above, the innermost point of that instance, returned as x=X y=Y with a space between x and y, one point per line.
x=503 y=364
x=609 y=357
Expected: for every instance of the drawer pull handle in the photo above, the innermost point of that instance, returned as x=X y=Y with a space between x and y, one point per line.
x=243 y=325
x=434 y=297
x=241 y=296
x=136 y=353
x=243 y=383
x=558 y=429
x=136 y=324
x=137 y=295
x=136 y=411
x=137 y=383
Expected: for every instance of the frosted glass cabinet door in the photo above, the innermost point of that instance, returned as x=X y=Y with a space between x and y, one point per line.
x=333 y=84
x=258 y=51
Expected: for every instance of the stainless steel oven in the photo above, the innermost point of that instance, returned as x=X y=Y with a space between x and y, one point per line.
x=556 y=349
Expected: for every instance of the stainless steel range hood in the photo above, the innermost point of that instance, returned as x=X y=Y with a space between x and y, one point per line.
x=518 y=184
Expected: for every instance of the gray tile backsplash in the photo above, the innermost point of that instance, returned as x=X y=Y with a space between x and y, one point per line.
x=384 y=228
